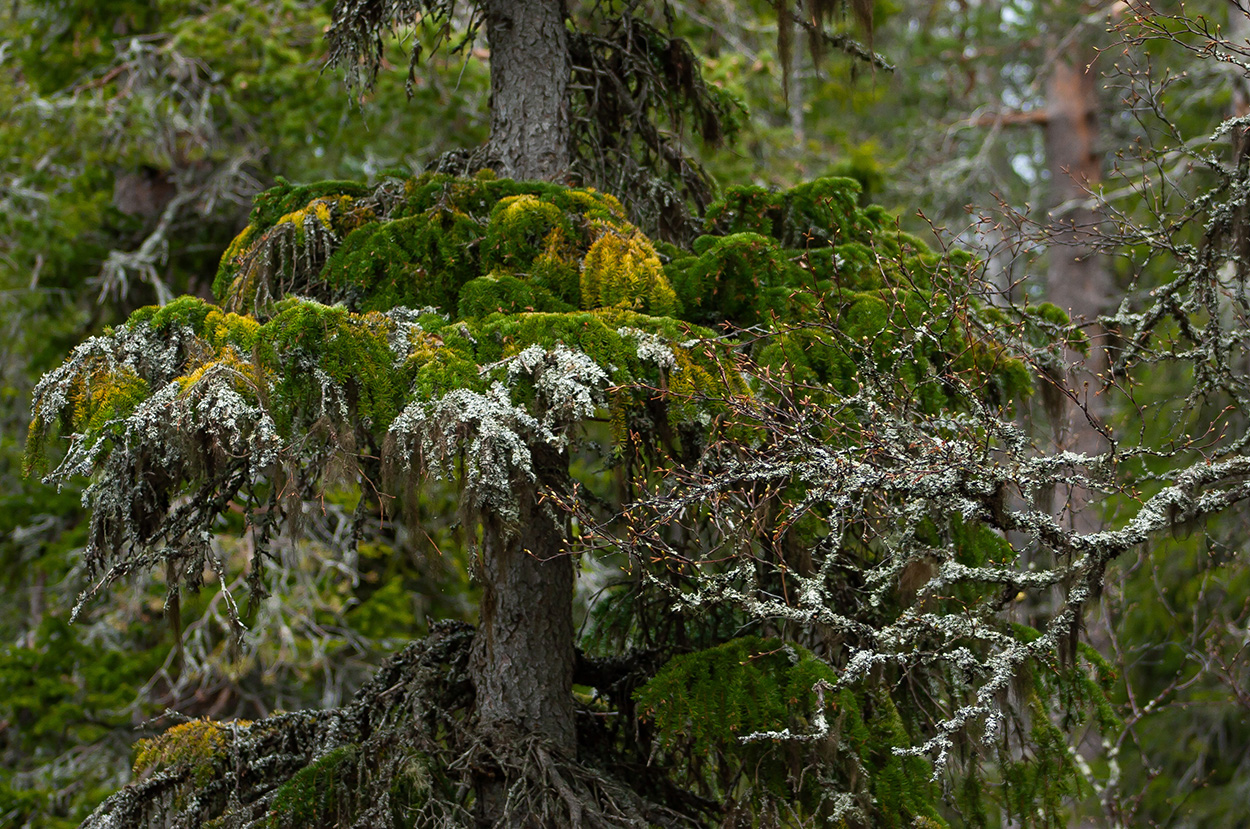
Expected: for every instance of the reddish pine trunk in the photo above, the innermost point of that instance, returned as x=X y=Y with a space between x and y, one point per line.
x=1078 y=279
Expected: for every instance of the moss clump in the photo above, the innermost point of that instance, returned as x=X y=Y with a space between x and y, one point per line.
x=271 y=206
x=415 y=261
x=312 y=341
x=521 y=228
x=473 y=248
x=741 y=277
x=622 y=270
x=817 y=212
x=105 y=395
x=314 y=794
x=506 y=294
x=423 y=247
x=199 y=745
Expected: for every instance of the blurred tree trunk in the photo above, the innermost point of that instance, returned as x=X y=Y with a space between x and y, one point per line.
x=1077 y=279
x=1239 y=34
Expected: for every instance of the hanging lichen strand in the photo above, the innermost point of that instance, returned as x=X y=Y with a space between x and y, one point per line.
x=370 y=338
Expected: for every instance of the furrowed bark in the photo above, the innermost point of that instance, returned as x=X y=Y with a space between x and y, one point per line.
x=523 y=656
x=529 y=78
x=522 y=662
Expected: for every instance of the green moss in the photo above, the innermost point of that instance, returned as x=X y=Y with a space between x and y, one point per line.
x=188 y=311
x=351 y=349
x=509 y=264
x=417 y=261
x=1047 y=323
x=744 y=278
x=977 y=545
x=743 y=209
x=521 y=227
x=286 y=198
x=823 y=211
x=314 y=795
x=103 y=396
x=506 y=294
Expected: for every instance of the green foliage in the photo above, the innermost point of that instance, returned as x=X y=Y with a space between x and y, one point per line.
x=311 y=796
x=62 y=690
x=388 y=610
x=286 y=199
x=711 y=698
x=767 y=244
x=403 y=293
x=746 y=701
x=59 y=693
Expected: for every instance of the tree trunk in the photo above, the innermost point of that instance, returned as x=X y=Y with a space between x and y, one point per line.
x=522 y=662
x=1078 y=279
x=529 y=78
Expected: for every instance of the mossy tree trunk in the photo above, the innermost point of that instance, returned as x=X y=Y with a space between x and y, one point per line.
x=522 y=662
x=529 y=78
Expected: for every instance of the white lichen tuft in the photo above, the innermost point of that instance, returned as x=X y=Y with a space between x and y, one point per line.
x=493 y=432
x=651 y=348
x=568 y=386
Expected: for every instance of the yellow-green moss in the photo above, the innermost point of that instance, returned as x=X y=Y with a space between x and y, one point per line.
x=506 y=265
x=622 y=270
x=519 y=229
x=201 y=745
x=246 y=375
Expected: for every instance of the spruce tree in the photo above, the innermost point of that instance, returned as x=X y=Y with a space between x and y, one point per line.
x=788 y=420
